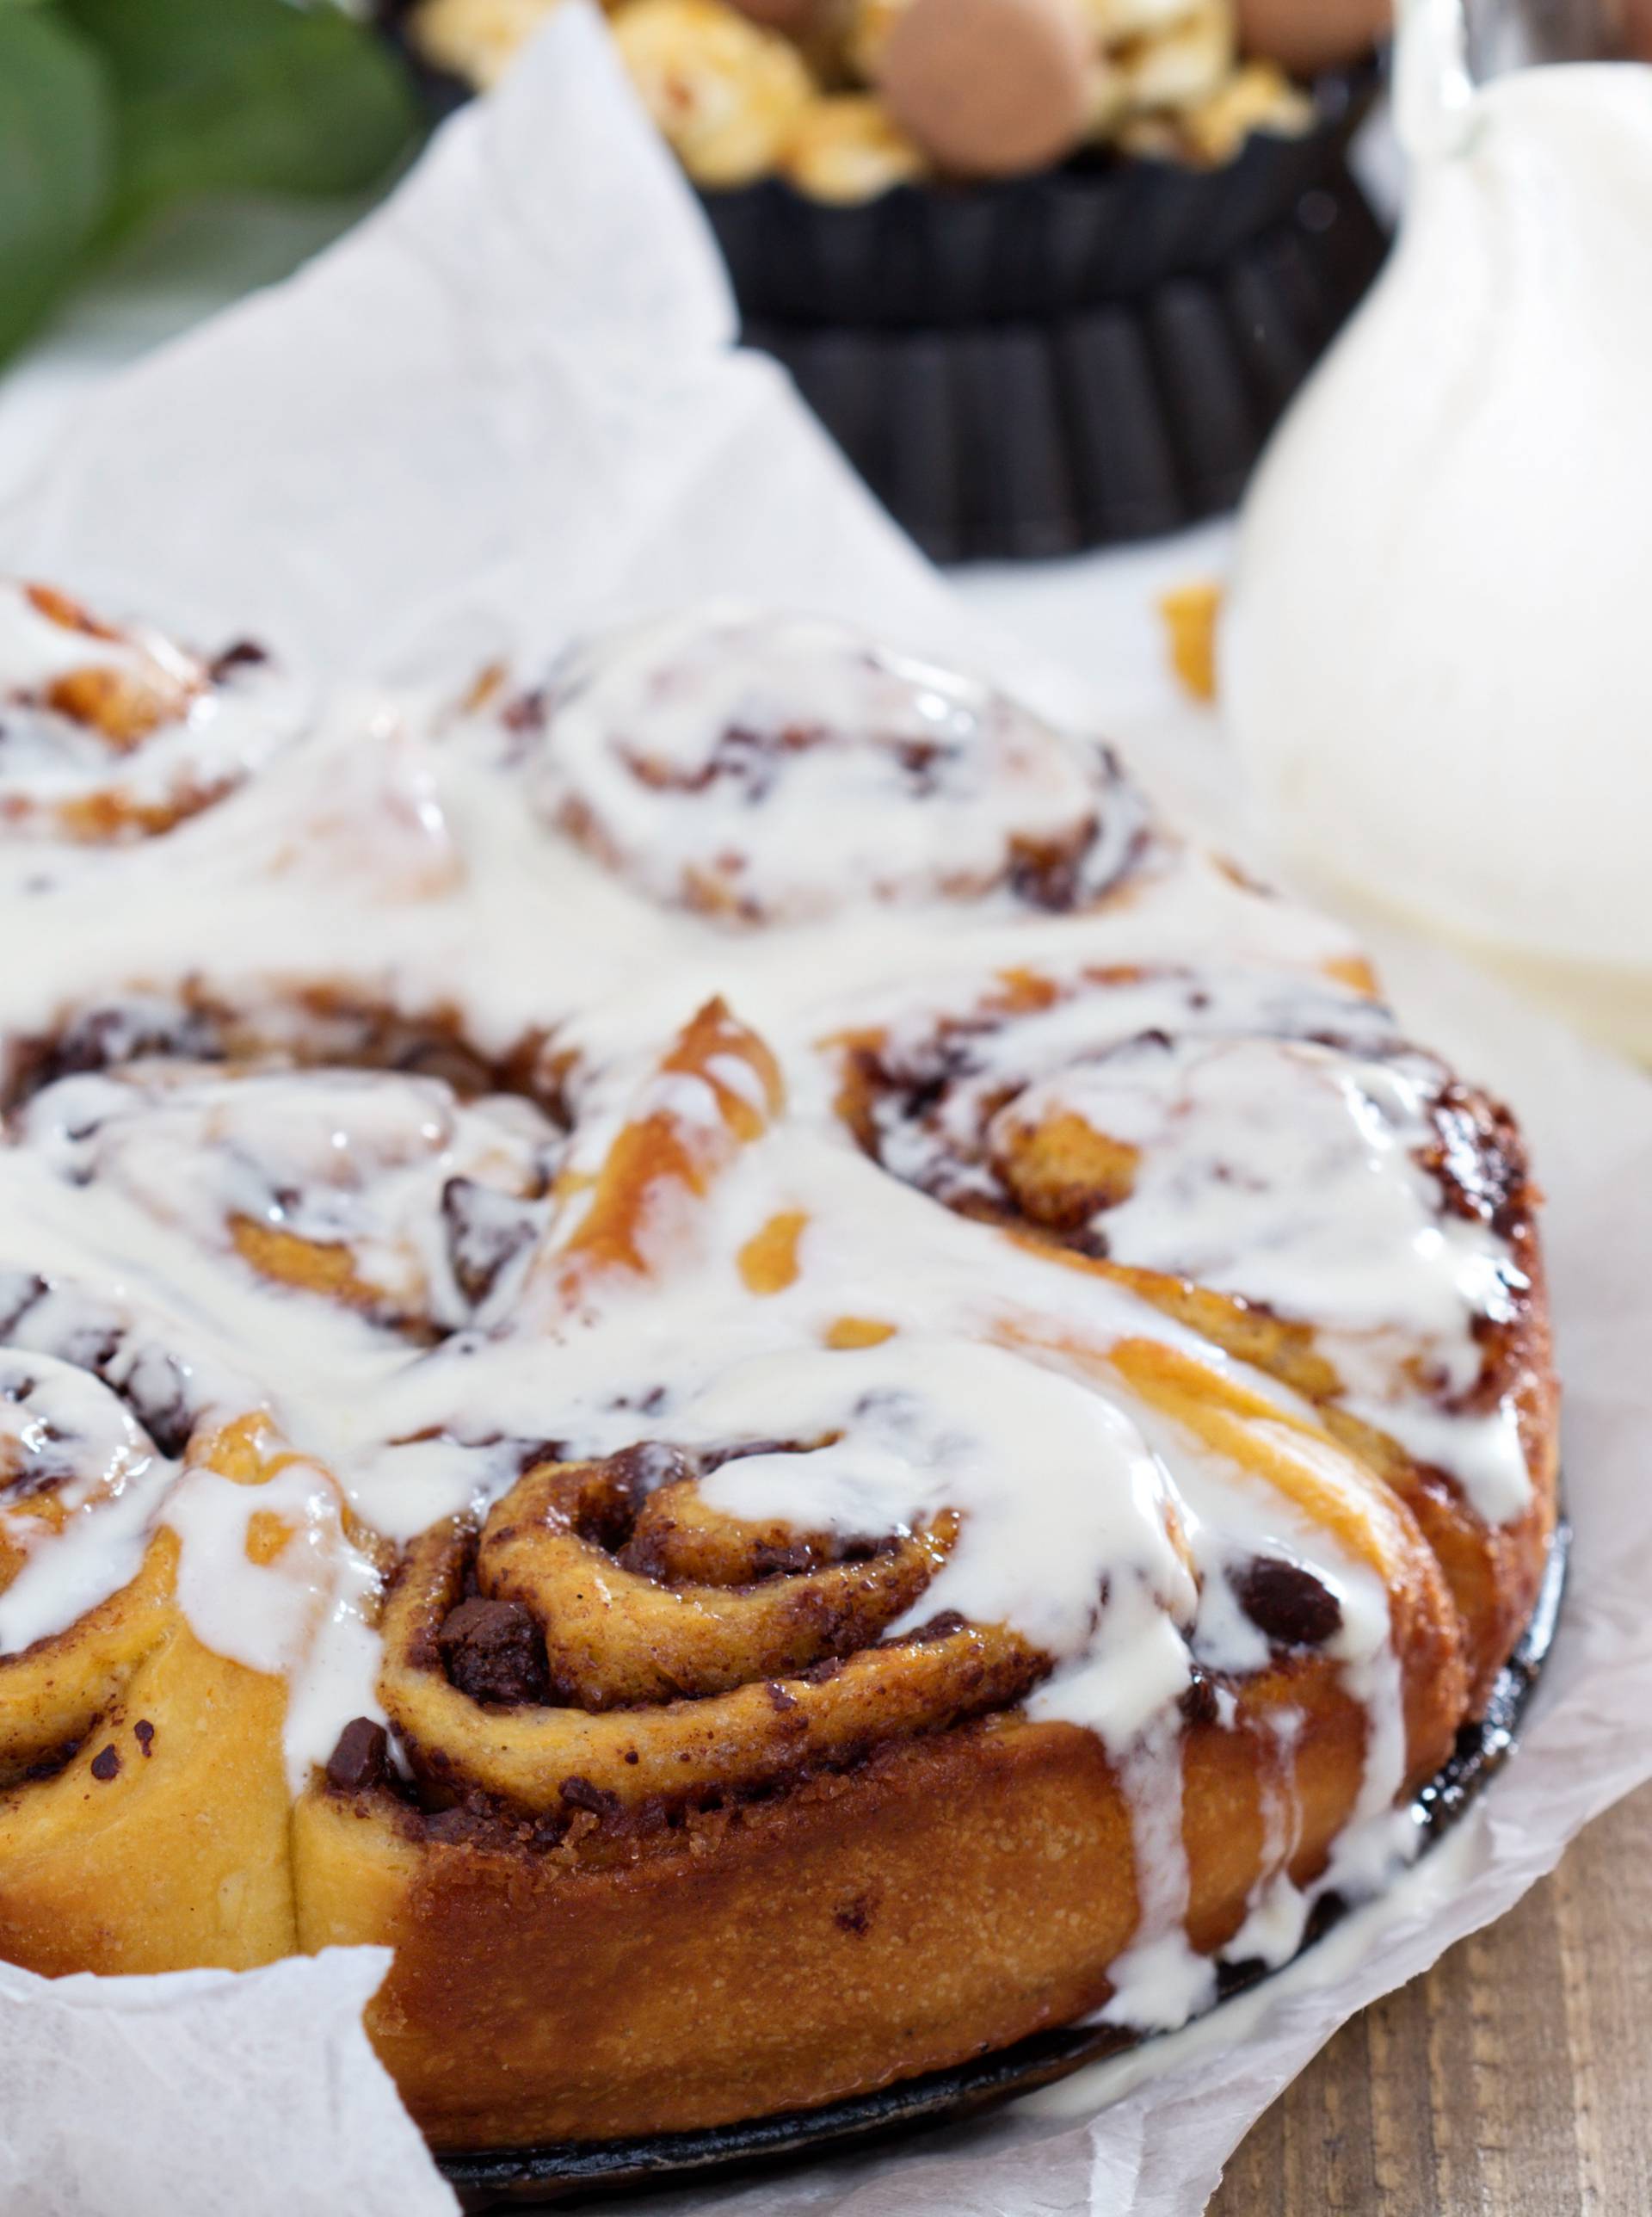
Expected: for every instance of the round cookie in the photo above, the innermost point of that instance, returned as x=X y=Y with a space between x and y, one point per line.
x=797 y=19
x=1306 y=36
x=990 y=87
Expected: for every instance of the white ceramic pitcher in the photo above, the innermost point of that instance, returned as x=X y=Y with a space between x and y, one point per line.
x=1439 y=654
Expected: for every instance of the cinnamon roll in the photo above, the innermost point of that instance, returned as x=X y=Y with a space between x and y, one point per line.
x=767 y=771
x=829 y=1406
x=110 y=733
x=143 y=1804
x=385 y=1192
x=1274 y=1165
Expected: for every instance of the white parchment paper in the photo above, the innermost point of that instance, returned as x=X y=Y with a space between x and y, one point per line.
x=506 y=405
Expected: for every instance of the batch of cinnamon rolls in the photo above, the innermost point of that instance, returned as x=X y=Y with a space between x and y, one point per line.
x=701 y=1334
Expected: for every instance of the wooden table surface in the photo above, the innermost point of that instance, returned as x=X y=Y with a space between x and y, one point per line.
x=1514 y=2080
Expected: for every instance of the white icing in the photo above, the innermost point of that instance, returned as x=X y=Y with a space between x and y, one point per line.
x=54 y=1416
x=356 y=1160
x=1277 y=1914
x=303 y=1614
x=1284 y=1170
x=392 y=853
x=1160 y=1981
x=927 y=1424
x=1228 y=1133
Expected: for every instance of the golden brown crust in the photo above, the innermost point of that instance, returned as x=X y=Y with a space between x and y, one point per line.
x=150 y=1831
x=950 y=1896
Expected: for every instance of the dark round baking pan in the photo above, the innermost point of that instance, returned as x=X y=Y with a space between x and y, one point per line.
x=1028 y=439
x=519 y=2178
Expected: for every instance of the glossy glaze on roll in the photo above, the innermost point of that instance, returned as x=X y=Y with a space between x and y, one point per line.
x=701 y=1335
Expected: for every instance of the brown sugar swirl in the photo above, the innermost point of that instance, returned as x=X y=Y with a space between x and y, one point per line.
x=633 y=1687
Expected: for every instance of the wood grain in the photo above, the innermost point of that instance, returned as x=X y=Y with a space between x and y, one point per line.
x=1514 y=2080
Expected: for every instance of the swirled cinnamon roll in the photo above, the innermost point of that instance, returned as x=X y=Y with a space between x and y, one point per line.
x=761 y=771
x=109 y=734
x=1266 y=1159
x=772 y=1507
x=144 y=1803
x=384 y=1192
x=223 y=1582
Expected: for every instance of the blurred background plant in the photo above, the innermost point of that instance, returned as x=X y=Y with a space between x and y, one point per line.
x=112 y=111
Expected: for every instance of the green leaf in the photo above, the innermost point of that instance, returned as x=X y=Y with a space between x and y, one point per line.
x=56 y=134
x=226 y=95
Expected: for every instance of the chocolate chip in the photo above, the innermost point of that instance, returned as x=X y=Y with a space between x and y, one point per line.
x=580 y=1794
x=244 y=654
x=1286 y=1603
x=144 y=1732
x=494 y=1653
x=361 y=1757
x=106 y=1765
x=778 y=1697
x=1198 y=1705
x=854 y=1915
x=939 y=1627
x=782 y=1561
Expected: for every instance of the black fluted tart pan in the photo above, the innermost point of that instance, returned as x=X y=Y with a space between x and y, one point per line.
x=1034 y=437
